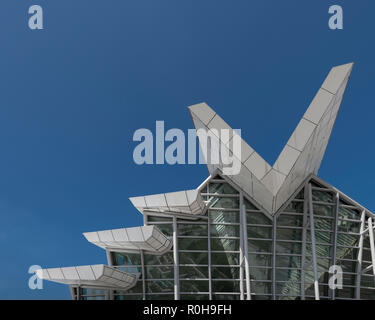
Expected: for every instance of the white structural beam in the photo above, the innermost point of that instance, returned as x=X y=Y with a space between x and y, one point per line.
x=372 y=244
x=270 y=186
x=359 y=257
x=146 y=238
x=246 y=249
x=313 y=246
x=95 y=276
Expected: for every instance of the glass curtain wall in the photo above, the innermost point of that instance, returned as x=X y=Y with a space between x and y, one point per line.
x=279 y=255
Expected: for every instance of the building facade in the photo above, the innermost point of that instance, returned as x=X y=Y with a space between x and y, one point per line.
x=269 y=232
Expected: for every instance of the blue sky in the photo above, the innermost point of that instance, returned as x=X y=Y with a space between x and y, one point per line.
x=72 y=95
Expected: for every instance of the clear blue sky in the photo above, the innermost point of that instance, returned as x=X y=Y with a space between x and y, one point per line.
x=72 y=95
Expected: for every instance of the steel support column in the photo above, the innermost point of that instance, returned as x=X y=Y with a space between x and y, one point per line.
x=359 y=257
x=332 y=292
x=242 y=295
x=175 y=261
x=304 y=234
x=209 y=257
x=274 y=225
x=313 y=247
x=372 y=244
x=143 y=276
x=247 y=269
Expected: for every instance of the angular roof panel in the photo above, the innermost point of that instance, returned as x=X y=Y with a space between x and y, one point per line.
x=183 y=202
x=267 y=185
x=98 y=276
x=147 y=238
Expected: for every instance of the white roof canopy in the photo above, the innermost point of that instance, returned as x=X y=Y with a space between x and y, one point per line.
x=98 y=276
x=148 y=238
x=182 y=202
x=270 y=186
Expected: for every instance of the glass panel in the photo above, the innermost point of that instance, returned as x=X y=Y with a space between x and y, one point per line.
x=260 y=273
x=194 y=297
x=323 y=210
x=348 y=266
x=192 y=229
x=225 y=297
x=152 y=259
x=288 y=275
x=288 y=234
x=193 y=258
x=222 y=188
x=347 y=240
x=220 y=230
x=138 y=288
x=260 y=260
x=259 y=246
x=225 y=286
x=323 y=224
x=159 y=286
x=192 y=244
x=322 y=196
x=249 y=205
x=257 y=218
x=288 y=247
x=289 y=220
x=259 y=232
x=193 y=286
x=159 y=272
x=225 y=258
x=321 y=250
x=347 y=213
x=218 y=216
x=223 y=244
x=193 y=272
x=295 y=206
x=348 y=226
x=159 y=297
x=218 y=202
x=120 y=259
x=129 y=297
x=291 y=288
x=225 y=272
x=320 y=237
x=158 y=219
x=261 y=287
x=288 y=261
x=167 y=229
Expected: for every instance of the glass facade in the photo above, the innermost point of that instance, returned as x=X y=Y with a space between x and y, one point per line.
x=235 y=247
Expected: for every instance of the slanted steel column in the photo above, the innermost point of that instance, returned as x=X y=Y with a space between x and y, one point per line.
x=332 y=293
x=143 y=276
x=274 y=225
x=312 y=229
x=246 y=256
x=304 y=234
x=372 y=244
x=209 y=257
x=359 y=257
x=175 y=261
x=242 y=295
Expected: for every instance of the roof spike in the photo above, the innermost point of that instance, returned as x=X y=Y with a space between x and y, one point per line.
x=301 y=156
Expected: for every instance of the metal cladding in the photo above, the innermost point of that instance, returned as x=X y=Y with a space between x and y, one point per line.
x=97 y=276
x=270 y=186
x=181 y=202
x=147 y=238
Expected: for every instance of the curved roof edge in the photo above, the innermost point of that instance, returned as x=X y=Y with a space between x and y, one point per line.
x=96 y=276
x=147 y=238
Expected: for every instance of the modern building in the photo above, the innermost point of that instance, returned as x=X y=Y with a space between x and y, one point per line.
x=269 y=232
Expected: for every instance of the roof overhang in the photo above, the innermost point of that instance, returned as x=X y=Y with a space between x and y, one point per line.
x=95 y=276
x=147 y=238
